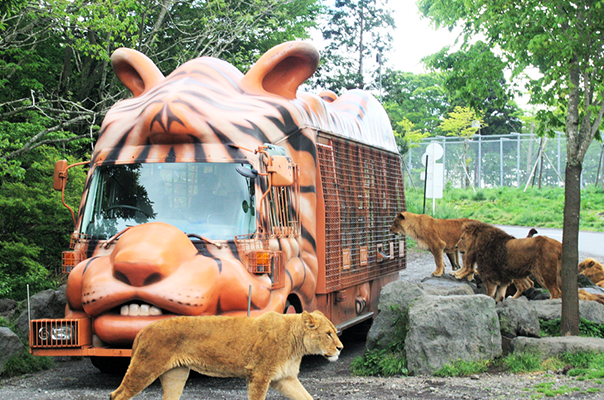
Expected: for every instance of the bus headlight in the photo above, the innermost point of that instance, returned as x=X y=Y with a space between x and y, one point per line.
x=58 y=333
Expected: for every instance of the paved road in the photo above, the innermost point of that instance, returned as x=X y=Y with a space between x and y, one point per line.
x=589 y=242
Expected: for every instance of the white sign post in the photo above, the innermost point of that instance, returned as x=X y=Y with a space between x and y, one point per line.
x=433 y=175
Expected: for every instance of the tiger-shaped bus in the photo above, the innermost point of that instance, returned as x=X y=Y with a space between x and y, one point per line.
x=212 y=192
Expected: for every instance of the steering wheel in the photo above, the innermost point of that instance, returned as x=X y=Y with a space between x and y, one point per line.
x=130 y=207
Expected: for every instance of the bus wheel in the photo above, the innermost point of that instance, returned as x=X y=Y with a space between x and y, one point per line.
x=111 y=365
x=289 y=308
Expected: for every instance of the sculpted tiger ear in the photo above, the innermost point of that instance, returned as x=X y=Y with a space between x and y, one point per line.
x=282 y=69
x=136 y=71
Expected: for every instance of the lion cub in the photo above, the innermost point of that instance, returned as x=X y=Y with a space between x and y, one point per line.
x=266 y=350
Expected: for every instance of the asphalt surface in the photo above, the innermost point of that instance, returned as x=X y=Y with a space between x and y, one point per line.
x=589 y=242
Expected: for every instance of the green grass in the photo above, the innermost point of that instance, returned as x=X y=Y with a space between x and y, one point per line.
x=463 y=368
x=521 y=363
x=510 y=206
x=380 y=363
x=587 y=366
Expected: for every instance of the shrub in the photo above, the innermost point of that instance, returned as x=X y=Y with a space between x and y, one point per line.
x=463 y=368
x=380 y=363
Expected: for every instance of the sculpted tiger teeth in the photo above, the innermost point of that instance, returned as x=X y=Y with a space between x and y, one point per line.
x=139 y=310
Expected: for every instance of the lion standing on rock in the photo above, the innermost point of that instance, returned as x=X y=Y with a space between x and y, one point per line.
x=437 y=235
x=266 y=350
x=502 y=259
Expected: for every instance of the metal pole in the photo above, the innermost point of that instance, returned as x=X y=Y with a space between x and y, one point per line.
x=518 y=161
x=479 y=183
x=445 y=160
x=28 y=305
x=425 y=182
x=559 y=140
x=501 y=161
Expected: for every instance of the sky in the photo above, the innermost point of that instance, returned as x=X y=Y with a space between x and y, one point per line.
x=414 y=37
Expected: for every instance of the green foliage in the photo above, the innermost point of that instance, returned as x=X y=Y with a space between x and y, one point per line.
x=463 y=368
x=386 y=362
x=25 y=363
x=463 y=122
x=549 y=389
x=36 y=225
x=355 y=32
x=520 y=363
x=474 y=77
x=420 y=98
x=586 y=365
x=586 y=328
x=380 y=363
x=406 y=137
x=511 y=206
x=583 y=366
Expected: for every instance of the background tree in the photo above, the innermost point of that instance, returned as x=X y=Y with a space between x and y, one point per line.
x=463 y=122
x=56 y=84
x=356 y=31
x=55 y=74
x=420 y=98
x=564 y=40
x=475 y=77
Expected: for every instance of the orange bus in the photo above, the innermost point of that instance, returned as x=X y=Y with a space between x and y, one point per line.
x=212 y=192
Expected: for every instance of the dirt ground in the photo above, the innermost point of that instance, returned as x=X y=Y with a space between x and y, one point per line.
x=78 y=379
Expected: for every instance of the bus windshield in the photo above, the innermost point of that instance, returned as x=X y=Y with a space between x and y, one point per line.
x=208 y=199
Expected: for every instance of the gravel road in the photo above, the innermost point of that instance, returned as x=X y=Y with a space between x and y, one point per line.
x=79 y=380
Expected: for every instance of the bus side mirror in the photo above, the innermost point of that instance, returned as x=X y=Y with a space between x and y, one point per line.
x=281 y=171
x=60 y=174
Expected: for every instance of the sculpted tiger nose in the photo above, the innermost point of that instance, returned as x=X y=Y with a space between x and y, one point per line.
x=142 y=267
x=149 y=253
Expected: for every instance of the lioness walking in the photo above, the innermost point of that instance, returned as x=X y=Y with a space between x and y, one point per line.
x=266 y=350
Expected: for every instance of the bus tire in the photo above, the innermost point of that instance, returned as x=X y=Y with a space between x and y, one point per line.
x=111 y=365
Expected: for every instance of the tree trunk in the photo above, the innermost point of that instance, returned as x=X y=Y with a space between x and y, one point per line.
x=360 y=82
x=569 y=324
x=570 y=255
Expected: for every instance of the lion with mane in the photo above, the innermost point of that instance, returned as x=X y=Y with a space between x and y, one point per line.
x=436 y=235
x=266 y=350
x=500 y=259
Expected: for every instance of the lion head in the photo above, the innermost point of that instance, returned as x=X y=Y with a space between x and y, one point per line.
x=467 y=238
x=398 y=225
x=321 y=336
x=592 y=269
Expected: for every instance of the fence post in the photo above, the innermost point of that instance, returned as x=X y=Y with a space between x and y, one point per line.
x=559 y=181
x=501 y=161
x=518 y=161
x=479 y=161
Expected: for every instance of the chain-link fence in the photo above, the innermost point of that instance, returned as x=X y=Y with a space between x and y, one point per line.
x=504 y=160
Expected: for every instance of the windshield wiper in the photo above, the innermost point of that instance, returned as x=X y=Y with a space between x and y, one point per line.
x=204 y=239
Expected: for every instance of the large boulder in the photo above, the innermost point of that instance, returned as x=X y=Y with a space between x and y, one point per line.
x=394 y=301
x=552 y=309
x=447 y=285
x=46 y=304
x=445 y=329
x=518 y=317
x=7 y=308
x=10 y=344
x=551 y=346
